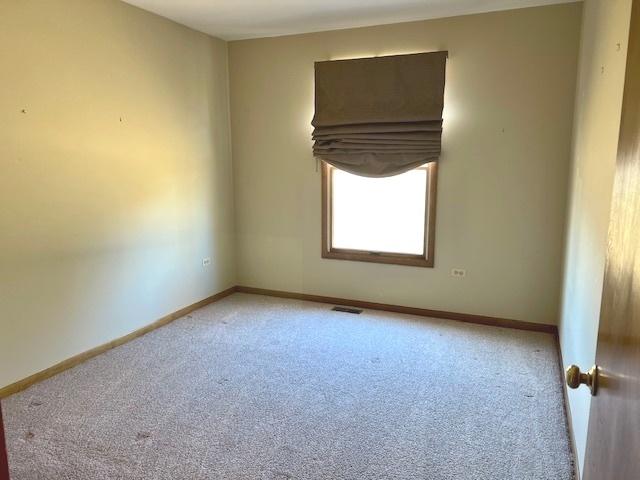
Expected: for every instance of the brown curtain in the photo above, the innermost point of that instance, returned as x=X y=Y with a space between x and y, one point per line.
x=381 y=116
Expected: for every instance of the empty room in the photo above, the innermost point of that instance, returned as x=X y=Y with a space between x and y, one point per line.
x=319 y=239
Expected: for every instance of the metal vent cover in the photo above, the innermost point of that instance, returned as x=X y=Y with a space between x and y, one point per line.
x=355 y=311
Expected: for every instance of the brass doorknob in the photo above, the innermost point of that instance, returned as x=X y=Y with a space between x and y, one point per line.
x=575 y=378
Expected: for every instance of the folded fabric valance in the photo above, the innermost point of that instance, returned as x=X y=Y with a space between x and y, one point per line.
x=380 y=116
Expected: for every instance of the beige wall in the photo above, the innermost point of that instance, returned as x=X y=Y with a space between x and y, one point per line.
x=503 y=177
x=597 y=123
x=114 y=184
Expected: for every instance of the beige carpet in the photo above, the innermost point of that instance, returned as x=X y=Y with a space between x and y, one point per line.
x=261 y=388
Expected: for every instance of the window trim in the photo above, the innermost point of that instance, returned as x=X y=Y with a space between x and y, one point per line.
x=424 y=260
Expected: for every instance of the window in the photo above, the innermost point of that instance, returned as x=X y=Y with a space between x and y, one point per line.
x=383 y=220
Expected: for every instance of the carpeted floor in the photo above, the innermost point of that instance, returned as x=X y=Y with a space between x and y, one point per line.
x=255 y=387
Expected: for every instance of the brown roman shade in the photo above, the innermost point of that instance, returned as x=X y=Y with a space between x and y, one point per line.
x=380 y=116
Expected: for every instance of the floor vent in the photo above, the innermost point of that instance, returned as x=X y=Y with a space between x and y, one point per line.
x=347 y=310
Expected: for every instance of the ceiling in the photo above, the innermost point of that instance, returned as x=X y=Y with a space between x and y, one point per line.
x=239 y=19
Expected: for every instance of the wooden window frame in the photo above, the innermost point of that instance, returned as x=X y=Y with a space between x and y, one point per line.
x=424 y=260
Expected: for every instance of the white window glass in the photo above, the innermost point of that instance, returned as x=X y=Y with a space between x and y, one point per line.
x=379 y=214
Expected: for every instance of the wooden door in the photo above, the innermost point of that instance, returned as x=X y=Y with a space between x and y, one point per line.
x=613 y=445
x=4 y=466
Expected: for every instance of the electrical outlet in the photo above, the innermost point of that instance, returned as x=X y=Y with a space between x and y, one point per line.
x=206 y=262
x=458 y=272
